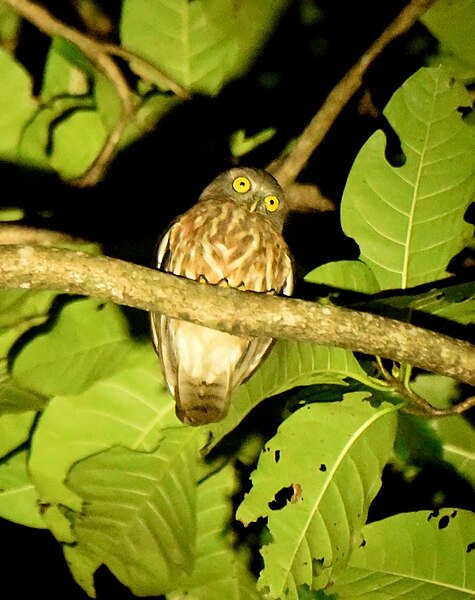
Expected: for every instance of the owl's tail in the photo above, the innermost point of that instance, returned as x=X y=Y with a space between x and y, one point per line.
x=199 y=404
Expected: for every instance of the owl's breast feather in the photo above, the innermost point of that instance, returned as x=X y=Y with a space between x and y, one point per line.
x=224 y=243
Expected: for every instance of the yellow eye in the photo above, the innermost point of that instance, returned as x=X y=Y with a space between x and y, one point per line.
x=241 y=185
x=272 y=203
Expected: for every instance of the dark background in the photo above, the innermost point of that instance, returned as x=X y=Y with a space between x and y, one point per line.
x=162 y=174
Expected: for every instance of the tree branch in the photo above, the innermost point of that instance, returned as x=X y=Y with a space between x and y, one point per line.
x=240 y=313
x=287 y=170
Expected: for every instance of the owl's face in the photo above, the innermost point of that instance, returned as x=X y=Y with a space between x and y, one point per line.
x=253 y=189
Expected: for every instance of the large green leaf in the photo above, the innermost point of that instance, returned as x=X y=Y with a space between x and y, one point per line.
x=14 y=114
x=351 y=275
x=89 y=341
x=314 y=482
x=139 y=516
x=409 y=220
x=452 y=22
x=200 y=44
x=18 y=498
x=220 y=570
x=129 y=409
x=428 y=555
x=289 y=364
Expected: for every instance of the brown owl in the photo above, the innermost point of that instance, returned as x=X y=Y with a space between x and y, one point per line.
x=231 y=237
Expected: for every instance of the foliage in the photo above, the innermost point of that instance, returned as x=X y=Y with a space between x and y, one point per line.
x=90 y=446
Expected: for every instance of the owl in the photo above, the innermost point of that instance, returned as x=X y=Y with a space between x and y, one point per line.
x=231 y=237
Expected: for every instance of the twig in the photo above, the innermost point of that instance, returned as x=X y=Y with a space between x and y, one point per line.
x=420 y=406
x=417 y=405
x=239 y=313
x=100 y=55
x=289 y=168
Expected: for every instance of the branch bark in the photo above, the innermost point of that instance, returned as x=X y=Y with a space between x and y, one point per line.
x=240 y=313
x=287 y=170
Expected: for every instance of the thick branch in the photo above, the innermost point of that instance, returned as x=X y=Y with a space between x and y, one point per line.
x=287 y=170
x=234 y=311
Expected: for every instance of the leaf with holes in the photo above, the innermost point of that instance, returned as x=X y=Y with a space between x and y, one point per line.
x=424 y=554
x=139 y=512
x=220 y=568
x=289 y=364
x=314 y=482
x=409 y=220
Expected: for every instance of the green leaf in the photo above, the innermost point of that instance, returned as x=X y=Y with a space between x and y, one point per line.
x=220 y=570
x=82 y=565
x=21 y=306
x=89 y=341
x=314 y=482
x=455 y=302
x=63 y=75
x=240 y=145
x=409 y=220
x=458 y=445
x=9 y=25
x=129 y=409
x=456 y=434
x=18 y=498
x=77 y=141
x=290 y=364
x=36 y=142
x=350 y=275
x=423 y=554
x=14 y=398
x=452 y=22
x=16 y=83
x=139 y=514
x=8 y=215
x=201 y=44
x=14 y=430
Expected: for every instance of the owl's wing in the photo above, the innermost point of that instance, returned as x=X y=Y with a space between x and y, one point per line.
x=159 y=323
x=257 y=348
x=203 y=366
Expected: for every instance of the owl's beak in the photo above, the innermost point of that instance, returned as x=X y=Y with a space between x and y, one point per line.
x=254 y=204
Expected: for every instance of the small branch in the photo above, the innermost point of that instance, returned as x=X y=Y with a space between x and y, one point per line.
x=288 y=170
x=100 y=55
x=239 y=313
x=420 y=406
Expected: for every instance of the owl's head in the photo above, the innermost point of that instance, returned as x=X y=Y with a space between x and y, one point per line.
x=255 y=189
